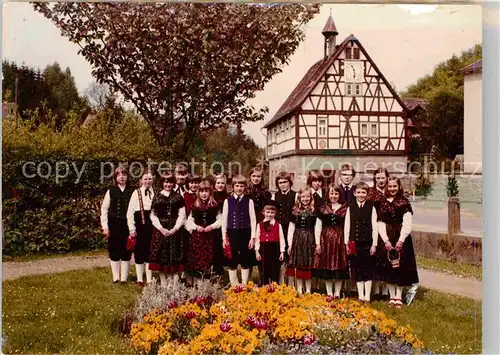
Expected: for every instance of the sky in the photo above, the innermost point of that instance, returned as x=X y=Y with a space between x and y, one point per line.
x=405 y=41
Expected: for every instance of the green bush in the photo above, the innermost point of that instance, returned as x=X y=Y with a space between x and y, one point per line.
x=45 y=213
x=452 y=189
x=423 y=185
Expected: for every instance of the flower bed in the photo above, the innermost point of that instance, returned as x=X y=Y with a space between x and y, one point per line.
x=271 y=319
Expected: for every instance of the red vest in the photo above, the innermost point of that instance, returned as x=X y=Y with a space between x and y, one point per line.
x=189 y=200
x=272 y=236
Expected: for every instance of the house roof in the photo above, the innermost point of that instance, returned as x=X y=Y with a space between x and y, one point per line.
x=308 y=82
x=413 y=103
x=476 y=67
x=314 y=75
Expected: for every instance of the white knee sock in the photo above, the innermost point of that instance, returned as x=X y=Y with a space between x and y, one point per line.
x=124 y=272
x=361 y=290
x=368 y=290
x=392 y=291
x=139 y=271
x=163 y=278
x=329 y=287
x=115 y=270
x=300 y=284
x=385 y=288
x=338 y=287
x=245 y=275
x=233 y=277
x=149 y=273
x=399 y=292
x=308 y=286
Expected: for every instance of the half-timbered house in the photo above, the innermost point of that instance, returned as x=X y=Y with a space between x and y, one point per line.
x=343 y=110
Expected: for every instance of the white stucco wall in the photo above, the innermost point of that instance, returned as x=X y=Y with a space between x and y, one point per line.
x=473 y=123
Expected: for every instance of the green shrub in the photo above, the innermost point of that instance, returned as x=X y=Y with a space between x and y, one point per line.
x=423 y=185
x=452 y=189
x=43 y=213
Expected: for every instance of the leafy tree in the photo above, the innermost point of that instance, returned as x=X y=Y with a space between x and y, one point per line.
x=31 y=86
x=51 y=92
x=182 y=73
x=446 y=113
x=445 y=77
x=443 y=90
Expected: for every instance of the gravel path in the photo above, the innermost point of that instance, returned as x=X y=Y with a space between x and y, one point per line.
x=430 y=279
x=13 y=270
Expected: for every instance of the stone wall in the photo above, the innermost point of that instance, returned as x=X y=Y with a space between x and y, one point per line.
x=463 y=248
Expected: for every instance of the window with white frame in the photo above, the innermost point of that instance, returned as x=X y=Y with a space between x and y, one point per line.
x=357 y=89
x=322 y=126
x=353 y=89
x=369 y=129
x=348 y=89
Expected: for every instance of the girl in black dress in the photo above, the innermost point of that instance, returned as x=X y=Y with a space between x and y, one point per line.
x=303 y=241
x=395 y=227
x=168 y=216
x=377 y=195
x=203 y=223
x=220 y=195
x=331 y=265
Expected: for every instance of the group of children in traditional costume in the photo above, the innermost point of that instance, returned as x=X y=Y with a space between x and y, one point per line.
x=331 y=234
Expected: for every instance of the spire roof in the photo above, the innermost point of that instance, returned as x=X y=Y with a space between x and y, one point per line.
x=330 y=26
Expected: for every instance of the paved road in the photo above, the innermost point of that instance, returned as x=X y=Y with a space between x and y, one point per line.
x=451 y=284
x=429 y=279
x=439 y=220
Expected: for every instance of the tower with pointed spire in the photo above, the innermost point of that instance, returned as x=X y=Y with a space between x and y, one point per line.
x=330 y=33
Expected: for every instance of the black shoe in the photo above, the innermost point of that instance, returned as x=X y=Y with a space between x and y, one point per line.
x=116 y=281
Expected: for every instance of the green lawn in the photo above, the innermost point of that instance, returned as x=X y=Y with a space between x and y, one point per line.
x=445 y=323
x=79 y=312
x=448 y=267
x=76 y=312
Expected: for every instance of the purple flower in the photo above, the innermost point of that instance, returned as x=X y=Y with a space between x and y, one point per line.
x=260 y=324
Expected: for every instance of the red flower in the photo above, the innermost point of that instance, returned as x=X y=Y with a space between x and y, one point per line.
x=309 y=339
x=250 y=321
x=270 y=288
x=239 y=288
x=200 y=300
x=329 y=299
x=189 y=315
x=172 y=304
x=225 y=327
